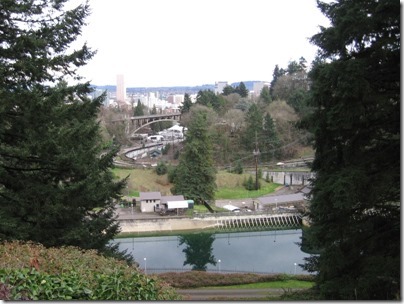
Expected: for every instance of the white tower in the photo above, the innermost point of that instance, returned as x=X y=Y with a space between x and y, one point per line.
x=120 y=88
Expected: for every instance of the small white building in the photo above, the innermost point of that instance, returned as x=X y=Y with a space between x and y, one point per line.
x=154 y=202
x=149 y=201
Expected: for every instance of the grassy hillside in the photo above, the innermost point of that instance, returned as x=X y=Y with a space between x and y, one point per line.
x=230 y=185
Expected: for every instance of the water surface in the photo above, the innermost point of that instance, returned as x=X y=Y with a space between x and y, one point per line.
x=261 y=252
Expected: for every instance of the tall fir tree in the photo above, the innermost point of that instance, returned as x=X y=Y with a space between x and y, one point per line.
x=139 y=111
x=275 y=75
x=195 y=175
x=355 y=201
x=265 y=95
x=254 y=127
x=156 y=127
x=269 y=140
x=242 y=90
x=210 y=99
x=187 y=104
x=56 y=187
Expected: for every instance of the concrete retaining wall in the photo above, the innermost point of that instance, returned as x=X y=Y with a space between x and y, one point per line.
x=290 y=178
x=166 y=224
x=216 y=222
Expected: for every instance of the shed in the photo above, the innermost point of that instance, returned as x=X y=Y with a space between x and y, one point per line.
x=149 y=201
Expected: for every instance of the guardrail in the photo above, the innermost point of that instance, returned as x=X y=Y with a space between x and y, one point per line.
x=244 y=213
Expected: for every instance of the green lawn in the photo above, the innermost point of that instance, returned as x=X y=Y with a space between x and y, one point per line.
x=275 y=284
x=241 y=192
x=229 y=185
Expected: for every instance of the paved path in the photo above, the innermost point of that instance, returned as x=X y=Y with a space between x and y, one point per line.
x=212 y=294
x=204 y=294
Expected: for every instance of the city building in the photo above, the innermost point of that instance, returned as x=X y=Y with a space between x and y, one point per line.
x=120 y=89
x=219 y=86
x=177 y=99
x=258 y=86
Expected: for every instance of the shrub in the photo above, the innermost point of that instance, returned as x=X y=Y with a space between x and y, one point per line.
x=161 y=168
x=249 y=184
x=4 y=292
x=195 y=279
x=239 y=168
x=71 y=273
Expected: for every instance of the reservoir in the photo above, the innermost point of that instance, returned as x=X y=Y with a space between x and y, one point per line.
x=276 y=251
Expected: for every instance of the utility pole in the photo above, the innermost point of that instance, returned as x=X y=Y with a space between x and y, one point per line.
x=256 y=152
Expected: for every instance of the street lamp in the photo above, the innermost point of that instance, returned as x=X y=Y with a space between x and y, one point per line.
x=295 y=267
x=219 y=264
x=145 y=265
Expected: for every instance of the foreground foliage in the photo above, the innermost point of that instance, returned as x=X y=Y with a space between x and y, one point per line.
x=355 y=205
x=30 y=271
x=56 y=187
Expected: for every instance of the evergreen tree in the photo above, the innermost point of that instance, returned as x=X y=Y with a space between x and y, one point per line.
x=138 y=109
x=265 y=95
x=156 y=127
x=186 y=106
x=294 y=67
x=302 y=63
x=210 y=99
x=275 y=75
x=254 y=126
x=242 y=90
x=269 y=140
x=195 y=174
x=56 y=187
x=355 y=202
x=227 y=90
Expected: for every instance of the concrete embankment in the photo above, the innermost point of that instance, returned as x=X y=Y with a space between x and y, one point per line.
x=164 y=224
x=215 y=222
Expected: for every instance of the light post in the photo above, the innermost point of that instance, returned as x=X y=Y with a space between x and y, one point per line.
x=295 y=267
x=219 y=264
x=256 y=153
x=145 y=265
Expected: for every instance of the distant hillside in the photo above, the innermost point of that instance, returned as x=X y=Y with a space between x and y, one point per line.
x=174 y=90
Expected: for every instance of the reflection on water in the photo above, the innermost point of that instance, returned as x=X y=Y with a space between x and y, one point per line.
x=198 y=250
x=260 y=251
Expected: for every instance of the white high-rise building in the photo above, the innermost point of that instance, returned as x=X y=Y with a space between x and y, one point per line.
x=120 y=89
x=258 y=86
x=219 y=86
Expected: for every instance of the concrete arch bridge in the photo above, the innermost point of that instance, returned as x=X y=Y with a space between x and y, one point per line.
x=135 y=123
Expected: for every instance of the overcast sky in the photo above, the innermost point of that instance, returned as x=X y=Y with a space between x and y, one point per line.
x=195 y=42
